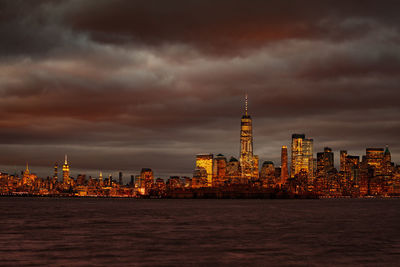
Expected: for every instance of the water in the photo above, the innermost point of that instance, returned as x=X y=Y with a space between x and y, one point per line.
x=125 y=232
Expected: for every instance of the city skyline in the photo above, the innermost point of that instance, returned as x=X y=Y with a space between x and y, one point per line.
x=303 y=158
x=311 y=175
x=198 y=132
x=161 y=82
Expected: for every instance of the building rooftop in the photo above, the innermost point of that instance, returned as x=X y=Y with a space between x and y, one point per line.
x=233 y=159
x=371 y=149
x=298 y=135
x=268 y=162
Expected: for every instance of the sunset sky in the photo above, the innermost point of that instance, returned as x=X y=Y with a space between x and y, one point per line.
x=121 y=85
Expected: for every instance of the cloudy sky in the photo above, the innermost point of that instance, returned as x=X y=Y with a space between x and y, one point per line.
x=121 y=85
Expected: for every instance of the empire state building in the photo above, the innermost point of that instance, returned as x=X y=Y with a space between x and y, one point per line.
x=248 y=162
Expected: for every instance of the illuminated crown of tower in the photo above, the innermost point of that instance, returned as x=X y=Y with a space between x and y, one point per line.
x=27 y=169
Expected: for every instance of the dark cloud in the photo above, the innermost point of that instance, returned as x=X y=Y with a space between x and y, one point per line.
x=131 y=84
x=227 y=25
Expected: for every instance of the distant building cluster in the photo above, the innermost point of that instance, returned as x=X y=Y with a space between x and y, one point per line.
x=373 y=175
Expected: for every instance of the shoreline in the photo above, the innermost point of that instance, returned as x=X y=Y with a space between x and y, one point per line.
x=300 y=197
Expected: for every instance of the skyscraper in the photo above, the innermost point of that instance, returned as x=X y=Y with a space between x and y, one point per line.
x=302 y=155
x=205 y=161
x=247 y=160
x=374 y=157
x=66 y=178
x=26 y=174
x=343 y=155
x=233 y=169
x=387 y=156
x=146 y=180
x=101 y=178
x=219 y=169
x=297 y=152
x=308 y=160
x=267 y=170
x=325 y=162
x=351 y=167
x=387 y=161
x=284 y=165
x=55 y=176
x=120 y=178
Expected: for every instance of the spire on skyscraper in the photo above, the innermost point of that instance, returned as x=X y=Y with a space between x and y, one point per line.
x=248 y=161
x=26 y=173
x=387 y=149
x=66 y=178
x=246 y=105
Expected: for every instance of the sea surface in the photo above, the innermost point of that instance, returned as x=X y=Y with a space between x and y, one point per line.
x=199 y=232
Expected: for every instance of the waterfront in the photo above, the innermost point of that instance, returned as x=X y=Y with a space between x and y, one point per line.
x=69 y=232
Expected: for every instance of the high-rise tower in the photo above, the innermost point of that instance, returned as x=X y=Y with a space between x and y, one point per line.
x=26 y=172
x=120 y=178
x=247 y=160
x=65 y=169
x=101 y=178
x=343 y=155
x=387 y=162
x=55 y=176
x=205 y=161
x=325 y=162
x=302 y=155
x=284 y=165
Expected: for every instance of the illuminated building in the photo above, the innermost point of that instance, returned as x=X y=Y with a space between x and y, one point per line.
x=284 y=165
x=297 y=153
x=25 y=177
x=160 y=182
x=325 y=162
x=137 y=180
x=160 y=185
x=174 y=183
x=267 y=174
x=81 y=179
x=387 y=157
x=374 y=158
x=146 y=180
x=28 y=178
x=233 y=169
x=343 y=155
x=387 y=162
x=267 y=169
x=247 y=160
x=308 y=160
x=206 y=161
x=188 y=182
x=66 y=178
x=219 y=171
x=255 y=167
x=302 y=155
x=109 y=180
x=352 y=167
x=199 y=177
